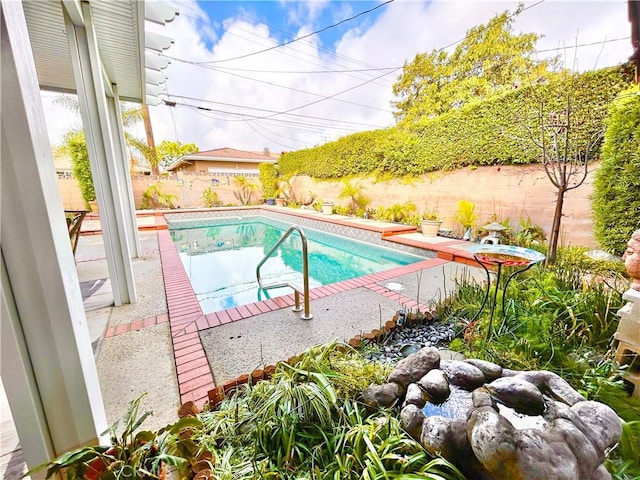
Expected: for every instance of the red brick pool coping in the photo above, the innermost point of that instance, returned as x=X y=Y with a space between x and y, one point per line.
x=186 y=319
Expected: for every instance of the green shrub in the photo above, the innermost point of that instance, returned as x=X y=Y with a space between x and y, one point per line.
x=616 y=198
x=267 y=174
x=399 y=213
x=210 y=198
x=155 y=197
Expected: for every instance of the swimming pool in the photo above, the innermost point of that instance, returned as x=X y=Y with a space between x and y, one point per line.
x=220 y=257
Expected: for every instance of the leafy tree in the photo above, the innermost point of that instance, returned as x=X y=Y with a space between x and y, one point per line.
x=168 y=152
x=616 y=196
x=210 y=198
x=490 y=60
x=399 y=213
x=129 y=115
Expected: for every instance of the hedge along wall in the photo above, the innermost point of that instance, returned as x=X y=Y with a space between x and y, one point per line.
x=494 y=132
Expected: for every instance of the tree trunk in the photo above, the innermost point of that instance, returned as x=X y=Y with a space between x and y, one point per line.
x=153 y=160
x=555 y=228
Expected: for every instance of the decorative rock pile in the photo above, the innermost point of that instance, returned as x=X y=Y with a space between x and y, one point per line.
x=409 y=340
x=514 y=425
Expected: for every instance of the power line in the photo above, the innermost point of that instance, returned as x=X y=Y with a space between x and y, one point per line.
x=331 y=97
x=273 y=111
x=582 y=45
x=205 y=65
x=221 y=69
x=303 y=36
x=243 y=116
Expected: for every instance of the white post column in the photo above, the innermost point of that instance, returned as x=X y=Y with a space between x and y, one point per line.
x=47 y=365
x=87 y=69
x=122 y=164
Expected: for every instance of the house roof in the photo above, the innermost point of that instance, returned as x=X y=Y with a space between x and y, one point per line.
x=226 y=155
x=121 y=38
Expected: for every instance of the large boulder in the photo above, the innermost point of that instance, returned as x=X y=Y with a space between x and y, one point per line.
x=415 y=366
x=435 y=385
x=382 y=395
x=462 y=374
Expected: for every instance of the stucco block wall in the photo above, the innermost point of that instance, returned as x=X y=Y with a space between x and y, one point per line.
x=507 y=191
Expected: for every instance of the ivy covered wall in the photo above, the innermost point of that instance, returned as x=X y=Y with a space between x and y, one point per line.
x=495 y=132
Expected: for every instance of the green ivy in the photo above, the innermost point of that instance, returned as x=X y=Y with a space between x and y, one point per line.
x=616 y=198
x=497 y=131
x=267 y=173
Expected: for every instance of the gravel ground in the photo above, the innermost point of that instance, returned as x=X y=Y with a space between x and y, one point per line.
x=405 y=340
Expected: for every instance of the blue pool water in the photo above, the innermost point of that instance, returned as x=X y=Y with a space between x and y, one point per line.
x=220 y=257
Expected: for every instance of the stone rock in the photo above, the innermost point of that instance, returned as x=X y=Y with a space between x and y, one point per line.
x=553 y=385
x=415 y=366
x=382 y=395
x=415 y=396
x=508 y=453
x=462 y=374
x=604 y=424
x=411 y=420
x=441 y=436
x=435 y=385
x=566 y=439
x=582 y=449
x=481 y=397
x=491 y=439
x=522 y=396
x=446 y=354
x=601 y=473
x=490 y=370
x=545 y=454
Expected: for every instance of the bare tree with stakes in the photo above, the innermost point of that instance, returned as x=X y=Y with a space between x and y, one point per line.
x=565 y=159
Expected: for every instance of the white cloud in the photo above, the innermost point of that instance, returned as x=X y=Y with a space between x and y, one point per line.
x=403 y=29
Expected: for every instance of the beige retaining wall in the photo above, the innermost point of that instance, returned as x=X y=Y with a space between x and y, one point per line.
x=507 y=191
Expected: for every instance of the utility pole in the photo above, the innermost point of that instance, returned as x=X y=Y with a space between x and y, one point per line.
x=153 y=158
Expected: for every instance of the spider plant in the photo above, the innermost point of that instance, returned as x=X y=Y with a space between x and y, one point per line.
x=133 y=454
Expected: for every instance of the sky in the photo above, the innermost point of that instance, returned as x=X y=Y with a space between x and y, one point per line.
x=234 y=86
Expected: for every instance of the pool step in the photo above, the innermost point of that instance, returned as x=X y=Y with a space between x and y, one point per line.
x=297 y=286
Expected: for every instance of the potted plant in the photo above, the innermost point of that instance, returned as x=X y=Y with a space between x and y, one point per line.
x=327 y=208
x=431 y=222
x=466 y=216
x=133 y=455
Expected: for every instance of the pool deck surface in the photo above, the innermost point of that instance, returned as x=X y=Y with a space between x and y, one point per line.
x=166 y=347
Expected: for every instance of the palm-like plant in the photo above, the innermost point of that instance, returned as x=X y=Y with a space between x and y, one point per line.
x=129 y=116
x=353 y=192
x=245 y=189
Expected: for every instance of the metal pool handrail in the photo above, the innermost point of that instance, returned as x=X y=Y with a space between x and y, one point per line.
x=305 y=273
